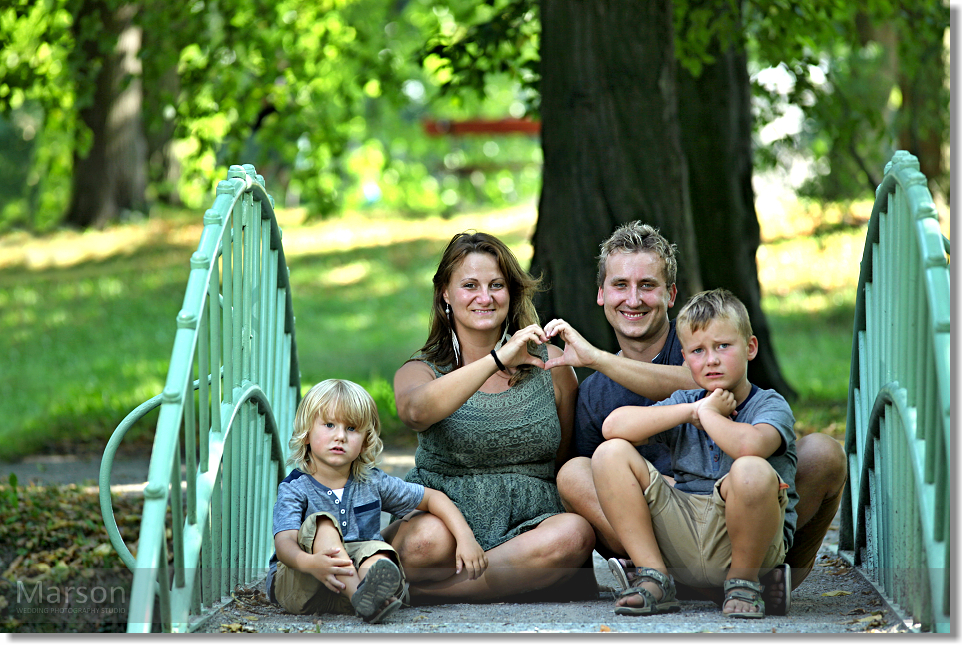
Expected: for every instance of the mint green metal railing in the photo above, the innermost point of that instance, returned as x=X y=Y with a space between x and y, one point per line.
x=895 y=513
x=220 y=446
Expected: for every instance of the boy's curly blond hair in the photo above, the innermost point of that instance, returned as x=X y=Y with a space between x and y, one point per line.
x=337 y=400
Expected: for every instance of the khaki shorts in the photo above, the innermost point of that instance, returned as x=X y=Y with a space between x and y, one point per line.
x=692 y=534
x=302 y=593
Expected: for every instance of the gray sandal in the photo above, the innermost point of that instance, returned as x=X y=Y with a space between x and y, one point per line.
x=619 y=569
x=381 y=583
x=666 y=604
x=747 y=591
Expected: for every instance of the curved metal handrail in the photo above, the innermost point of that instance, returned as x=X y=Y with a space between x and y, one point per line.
x=106 y=472
x=237 y=322
x=895 y=513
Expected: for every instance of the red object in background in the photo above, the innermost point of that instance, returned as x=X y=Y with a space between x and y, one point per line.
x=439 y=128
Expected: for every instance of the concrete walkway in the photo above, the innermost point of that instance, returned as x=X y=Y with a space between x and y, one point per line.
x=833 y=599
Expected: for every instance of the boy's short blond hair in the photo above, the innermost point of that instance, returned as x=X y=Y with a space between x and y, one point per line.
x=337 y=400
x=706 y=307
x=635 y=237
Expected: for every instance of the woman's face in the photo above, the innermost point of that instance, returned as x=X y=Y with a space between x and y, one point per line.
x=478 y=293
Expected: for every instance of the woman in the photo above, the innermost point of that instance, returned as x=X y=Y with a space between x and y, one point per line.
x=493 y=427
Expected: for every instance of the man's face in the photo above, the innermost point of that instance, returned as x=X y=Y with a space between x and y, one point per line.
x=635 y=297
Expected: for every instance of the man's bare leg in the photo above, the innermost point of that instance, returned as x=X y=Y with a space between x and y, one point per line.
x=578 y=494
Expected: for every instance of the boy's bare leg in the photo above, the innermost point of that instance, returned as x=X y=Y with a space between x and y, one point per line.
x=326 y=537
x=621 y=476
x=819 y=482
x=578 y=494
x=752 y=517
x=541 y=557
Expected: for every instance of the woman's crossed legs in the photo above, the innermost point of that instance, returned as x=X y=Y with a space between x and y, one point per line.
x=550 y=553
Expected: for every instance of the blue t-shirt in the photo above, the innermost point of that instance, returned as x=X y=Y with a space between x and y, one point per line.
x=358 y=511
x=697 y=462
x=598 y=396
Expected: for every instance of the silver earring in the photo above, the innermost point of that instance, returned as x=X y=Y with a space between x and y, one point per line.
x=454 y=336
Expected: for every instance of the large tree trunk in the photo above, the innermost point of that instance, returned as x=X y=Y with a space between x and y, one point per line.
x=715 y=109
x=612 y=150
x=110 y=177
x=163 y=165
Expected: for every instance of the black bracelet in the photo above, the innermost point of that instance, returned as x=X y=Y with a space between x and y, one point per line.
x=497 y=361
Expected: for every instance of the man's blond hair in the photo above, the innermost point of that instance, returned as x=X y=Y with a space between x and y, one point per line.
x=632 y=238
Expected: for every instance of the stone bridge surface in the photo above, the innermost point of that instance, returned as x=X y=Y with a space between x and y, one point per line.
x=833 y=599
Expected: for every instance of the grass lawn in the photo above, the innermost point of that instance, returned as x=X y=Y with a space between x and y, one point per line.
x=88 y=318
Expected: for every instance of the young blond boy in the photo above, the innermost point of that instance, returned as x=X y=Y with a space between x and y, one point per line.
x=731 y=513
x=329 y=556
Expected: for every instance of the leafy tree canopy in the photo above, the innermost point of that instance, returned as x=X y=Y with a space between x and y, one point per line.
x=835 y=53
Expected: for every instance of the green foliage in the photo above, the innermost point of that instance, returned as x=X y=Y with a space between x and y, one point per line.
x=475 y=42
x=844 y=78
x=37 y=115
x=324 y=98
x=849 y=65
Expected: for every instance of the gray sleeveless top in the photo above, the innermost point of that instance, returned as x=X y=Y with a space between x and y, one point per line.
x=495 y=458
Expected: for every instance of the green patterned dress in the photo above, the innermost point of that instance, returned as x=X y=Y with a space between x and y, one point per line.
x=495 y=458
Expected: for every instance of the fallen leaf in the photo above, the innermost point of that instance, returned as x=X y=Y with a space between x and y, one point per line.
x=871 y=621
x=103 y=549
x=859 y=610
x=837 y=592
x=604 y=628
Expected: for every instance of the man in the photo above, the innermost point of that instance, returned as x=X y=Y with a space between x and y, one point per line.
x=636 y=287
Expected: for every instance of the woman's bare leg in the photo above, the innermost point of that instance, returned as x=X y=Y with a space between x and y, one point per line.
x=545 y=555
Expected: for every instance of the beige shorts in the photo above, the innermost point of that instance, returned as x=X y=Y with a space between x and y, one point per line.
x=302 y=593
x=692 y=534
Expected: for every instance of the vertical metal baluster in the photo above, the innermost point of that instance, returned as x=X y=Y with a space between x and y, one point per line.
x=177 y=517
x=217 y=538
x=191 y=405
x=163 y=579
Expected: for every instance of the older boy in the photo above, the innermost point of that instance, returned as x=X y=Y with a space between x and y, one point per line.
x=731 y=512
